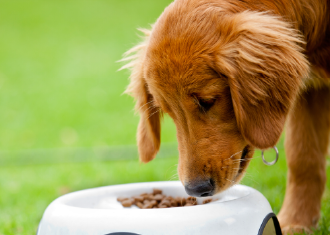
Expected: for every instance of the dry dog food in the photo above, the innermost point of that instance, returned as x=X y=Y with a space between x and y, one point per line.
x=157 y=199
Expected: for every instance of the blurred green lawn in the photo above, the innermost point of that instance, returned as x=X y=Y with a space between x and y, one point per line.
x=64 y=125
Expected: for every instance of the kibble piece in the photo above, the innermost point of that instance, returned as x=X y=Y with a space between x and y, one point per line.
x=147 y=206
x=192 y=200
x=156 y=191
x=153 y=203
x=120 y=199
x=158 y=197
x=149 y=197
x=178 y=199
x=181 y=201
x=169 y=198
x=139 y=204
x=174 y=203
x=138 y=199
x=127 y=203
x=207 y=201
x=161 y=205
x=146 y=197
x=146 y=201
x=165 y=202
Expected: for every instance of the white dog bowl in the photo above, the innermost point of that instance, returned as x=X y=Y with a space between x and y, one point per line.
x=240 y=210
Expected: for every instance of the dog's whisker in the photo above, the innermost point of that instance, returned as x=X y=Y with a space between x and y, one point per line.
x=175 y=165
x=173 y=177
x=174 y=172
x=145 y=105
x=232 y=183
x=149 y=108
x=242 y=160
x=150 y=112
x=153 y=113
x=229 y=180
x=235 y=154
x=250 y=177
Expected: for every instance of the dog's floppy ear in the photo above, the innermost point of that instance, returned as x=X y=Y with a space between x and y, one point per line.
x=262 y=57
x=148 y=134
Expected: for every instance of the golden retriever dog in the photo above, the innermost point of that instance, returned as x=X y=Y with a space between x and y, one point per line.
x=231 y=73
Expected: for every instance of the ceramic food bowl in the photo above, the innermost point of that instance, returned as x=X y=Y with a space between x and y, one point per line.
x=240 y=210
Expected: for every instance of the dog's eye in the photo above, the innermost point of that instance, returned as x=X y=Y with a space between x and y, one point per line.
x=206 y=104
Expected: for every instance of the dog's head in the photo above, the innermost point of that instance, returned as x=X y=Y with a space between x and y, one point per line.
x=226 y=79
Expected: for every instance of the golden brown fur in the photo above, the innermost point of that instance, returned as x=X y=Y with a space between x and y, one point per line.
x=231 y=73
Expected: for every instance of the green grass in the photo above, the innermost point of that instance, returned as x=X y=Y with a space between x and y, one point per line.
x=61 y=107
x=59 y=84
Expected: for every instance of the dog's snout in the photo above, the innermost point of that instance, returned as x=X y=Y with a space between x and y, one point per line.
x=200 y=188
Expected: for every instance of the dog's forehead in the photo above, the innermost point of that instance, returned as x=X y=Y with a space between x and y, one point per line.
x=178 y=60
x=179 y=77
x=180 y=56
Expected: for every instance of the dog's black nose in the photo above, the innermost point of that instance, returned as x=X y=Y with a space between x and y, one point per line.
x=200 y=188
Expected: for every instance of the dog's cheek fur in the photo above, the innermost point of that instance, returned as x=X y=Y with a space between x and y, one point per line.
x=265 y=67
x=148 y=134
